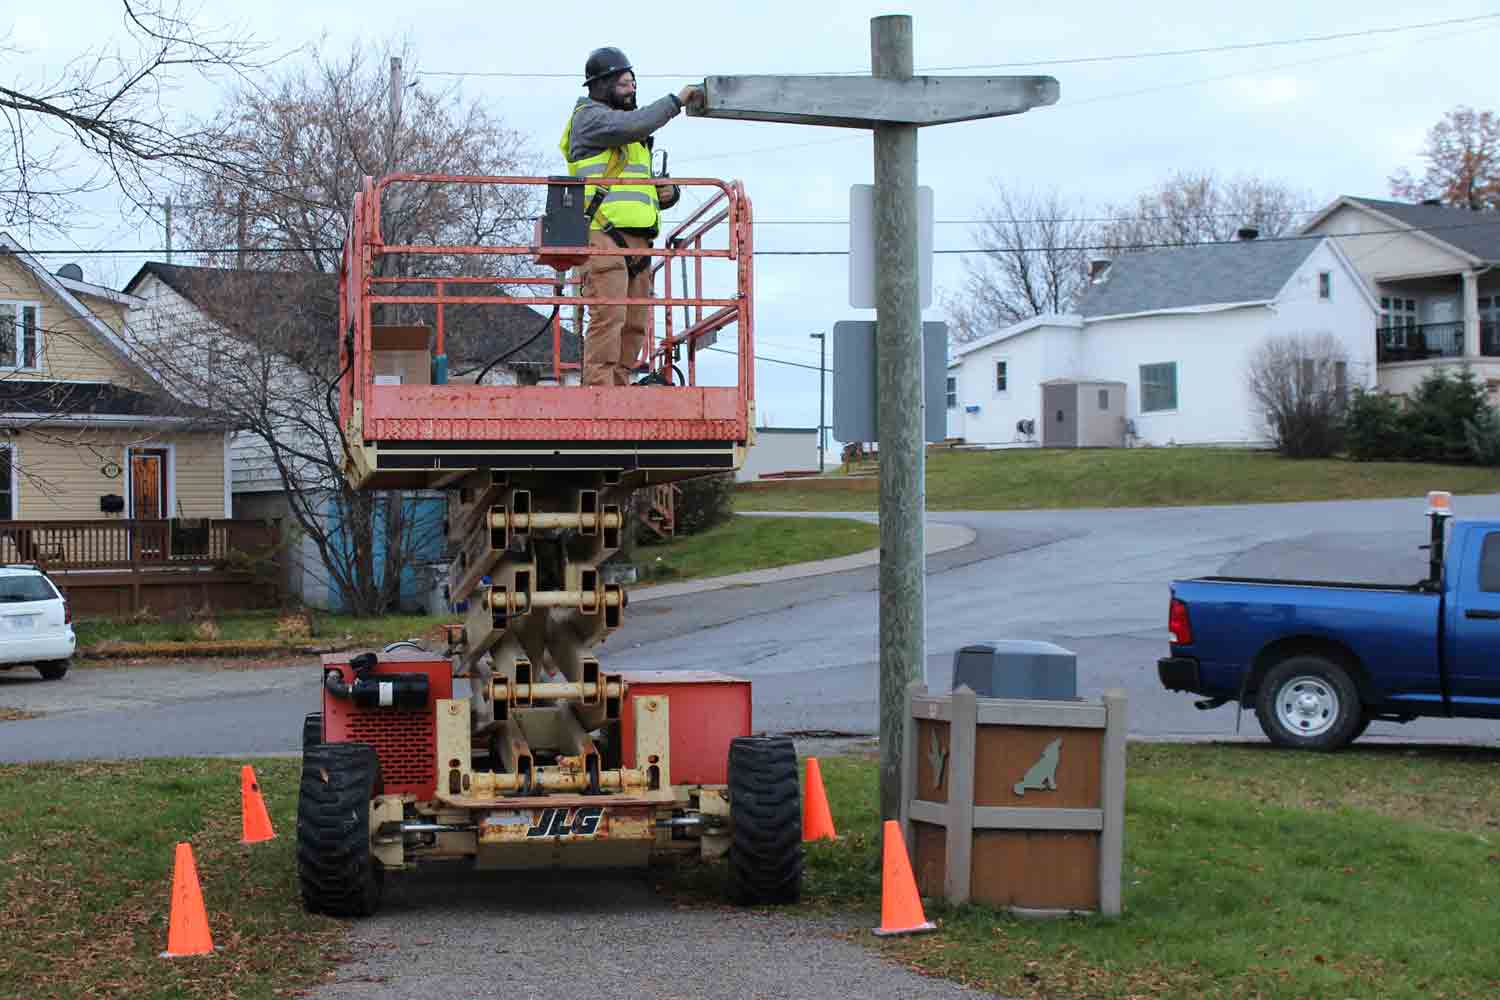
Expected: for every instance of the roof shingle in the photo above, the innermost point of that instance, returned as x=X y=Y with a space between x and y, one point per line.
x=1183 y=277
x=51 y=398
x=304 y=309
x=1477 y=233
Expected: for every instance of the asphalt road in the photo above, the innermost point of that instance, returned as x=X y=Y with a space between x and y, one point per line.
x=1092 y=581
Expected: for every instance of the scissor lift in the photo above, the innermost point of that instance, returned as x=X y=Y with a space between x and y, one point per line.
x=551 y=760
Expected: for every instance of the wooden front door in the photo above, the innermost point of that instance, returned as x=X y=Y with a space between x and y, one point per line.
x=148 y=483
x=148 y=500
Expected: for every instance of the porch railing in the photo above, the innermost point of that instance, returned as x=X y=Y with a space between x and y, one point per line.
x=61 y=546
x=1418 y=343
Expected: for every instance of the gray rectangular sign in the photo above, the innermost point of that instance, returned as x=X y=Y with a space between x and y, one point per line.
x=862 y=245
x=856 y=411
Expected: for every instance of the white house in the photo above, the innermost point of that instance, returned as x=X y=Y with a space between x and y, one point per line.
x=1435 y=272
x=1157 y=350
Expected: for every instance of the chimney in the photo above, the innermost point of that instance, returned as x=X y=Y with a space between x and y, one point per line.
x=1247 y=233
x=1098 y=269
x=70 y=271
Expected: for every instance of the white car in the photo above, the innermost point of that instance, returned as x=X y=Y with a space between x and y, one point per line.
x=36 y=625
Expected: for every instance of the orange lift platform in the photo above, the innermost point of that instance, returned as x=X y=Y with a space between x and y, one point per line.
x=429 y=431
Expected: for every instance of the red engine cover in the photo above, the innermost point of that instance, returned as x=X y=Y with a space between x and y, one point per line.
x=405 y=740
x=705 y=710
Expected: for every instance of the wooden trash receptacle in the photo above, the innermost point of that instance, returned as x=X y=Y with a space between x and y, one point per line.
x=1016 y=803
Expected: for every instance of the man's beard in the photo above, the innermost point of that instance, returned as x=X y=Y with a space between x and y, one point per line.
x=626 y=103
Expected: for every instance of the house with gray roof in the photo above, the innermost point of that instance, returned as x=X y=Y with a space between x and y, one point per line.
x=268 y=341
x=1158 y=346
x=1435 y=272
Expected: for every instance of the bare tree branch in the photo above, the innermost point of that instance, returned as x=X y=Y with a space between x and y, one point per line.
x=1192 y=207
x=101 y=120
x=1040 y=269
x=1301 y=383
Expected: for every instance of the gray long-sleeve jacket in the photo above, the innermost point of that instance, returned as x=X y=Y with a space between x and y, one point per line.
x=598 y=127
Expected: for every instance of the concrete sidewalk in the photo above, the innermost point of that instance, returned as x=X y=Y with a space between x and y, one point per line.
x=941 y=537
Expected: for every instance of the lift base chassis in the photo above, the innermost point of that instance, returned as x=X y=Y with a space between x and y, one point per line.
x=532 y=788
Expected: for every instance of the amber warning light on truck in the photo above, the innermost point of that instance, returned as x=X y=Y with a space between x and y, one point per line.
x=1440 y=502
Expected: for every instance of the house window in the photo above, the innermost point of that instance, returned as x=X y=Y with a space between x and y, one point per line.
x=1103 y=399
x=1000 y=375
x=20 y=334
x=952 y=390
x=1325 y=285
x=1397 y=315
x=1159 y=387
x=7 y=486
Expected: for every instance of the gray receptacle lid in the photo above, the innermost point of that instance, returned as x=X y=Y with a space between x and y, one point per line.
x=1016 y=668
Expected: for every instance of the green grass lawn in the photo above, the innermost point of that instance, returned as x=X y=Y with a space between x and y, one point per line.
x=88 y=872
x=1136 y=477
x=744 y=543
x=747 y=543
x=252 y=627
x=1249 y=873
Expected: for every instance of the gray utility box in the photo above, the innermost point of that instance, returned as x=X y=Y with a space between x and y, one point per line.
x=1017 y=668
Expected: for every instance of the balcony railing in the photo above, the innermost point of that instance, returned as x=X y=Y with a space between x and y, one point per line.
x=1418 y=343
x=61 y=546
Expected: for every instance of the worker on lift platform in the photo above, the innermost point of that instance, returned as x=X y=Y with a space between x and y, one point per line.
x=608 y=136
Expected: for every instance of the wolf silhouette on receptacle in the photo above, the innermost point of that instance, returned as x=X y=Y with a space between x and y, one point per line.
x=1042 y=776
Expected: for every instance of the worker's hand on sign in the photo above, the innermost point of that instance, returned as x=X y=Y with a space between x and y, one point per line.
x=691 y=96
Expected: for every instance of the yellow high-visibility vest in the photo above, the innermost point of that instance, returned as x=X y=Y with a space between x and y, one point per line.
x=626 y=206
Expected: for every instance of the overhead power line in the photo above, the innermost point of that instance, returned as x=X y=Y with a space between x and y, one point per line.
x=1437 y=228
x=1083 y=102
x=774 y=361
x=1059 y=61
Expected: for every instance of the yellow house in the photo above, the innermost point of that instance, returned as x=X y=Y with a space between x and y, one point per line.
x=86 y=433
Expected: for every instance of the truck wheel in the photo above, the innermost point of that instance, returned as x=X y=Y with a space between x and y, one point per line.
x=1309 y=702
x=339 y=875
x=312 y=730
x=53 y=670
x=765 y=814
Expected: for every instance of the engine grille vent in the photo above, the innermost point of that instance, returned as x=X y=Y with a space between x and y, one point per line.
x=406 y=742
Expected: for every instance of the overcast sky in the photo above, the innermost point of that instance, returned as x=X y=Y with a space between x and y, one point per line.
x=1330 y=118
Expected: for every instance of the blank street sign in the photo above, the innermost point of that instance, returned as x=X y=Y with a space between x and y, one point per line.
x=862 y=246
x=856 y=412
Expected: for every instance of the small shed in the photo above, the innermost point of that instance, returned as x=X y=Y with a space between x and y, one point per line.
x=780 y=450
x=1083 y=413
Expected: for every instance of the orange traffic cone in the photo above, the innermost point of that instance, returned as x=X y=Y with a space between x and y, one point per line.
x=817 y=821
x=255 y=823
x=187 y=933
x=900 y=906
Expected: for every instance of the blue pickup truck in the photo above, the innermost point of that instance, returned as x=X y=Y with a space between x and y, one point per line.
x=1319 y=661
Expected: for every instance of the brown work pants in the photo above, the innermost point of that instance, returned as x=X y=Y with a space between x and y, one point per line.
x=612 y=344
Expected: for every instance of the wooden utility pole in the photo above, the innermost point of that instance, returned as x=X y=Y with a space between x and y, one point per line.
x=894 y=104
x=244 y=232
x=903 y=454
x=395 y=122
